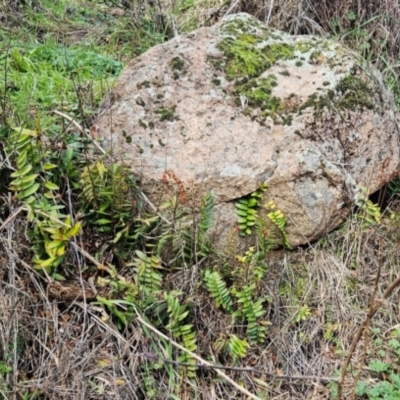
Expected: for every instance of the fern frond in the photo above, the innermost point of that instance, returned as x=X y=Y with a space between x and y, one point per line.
x=237 y=347
x=149 y=279
x=279 y=220
x=184 y=333
x=206 y=222
x=206 y=218
x=218 y=290
x=250 y=311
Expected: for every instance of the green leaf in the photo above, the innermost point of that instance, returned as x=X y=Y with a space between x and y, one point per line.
x=252 y=203
x=241 y=206
x=378 y=366
x=25 y=179
x=141 y=255
x=33 y=189
x=49 y=166
x=75 y=229
x=22 y=171
x=242 y=213
x=103 y=221
x=58 y=277
x=51 y=186
x=43 y=264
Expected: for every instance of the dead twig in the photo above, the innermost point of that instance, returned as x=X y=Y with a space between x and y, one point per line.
x=244 y=369
x=12 y=217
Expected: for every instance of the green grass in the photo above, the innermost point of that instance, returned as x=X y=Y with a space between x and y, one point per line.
x=67 y=54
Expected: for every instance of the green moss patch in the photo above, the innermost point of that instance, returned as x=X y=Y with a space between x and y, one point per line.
x=258 y=93
x=167 y=114
x=244 y=59
x=354 y=93
x=247 y=55
x=250 y=49
x=177 y=64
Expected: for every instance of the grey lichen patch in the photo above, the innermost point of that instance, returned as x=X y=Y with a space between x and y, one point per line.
x=304 y=46
x=317 y=57
x=242 y=24
x=167 y=114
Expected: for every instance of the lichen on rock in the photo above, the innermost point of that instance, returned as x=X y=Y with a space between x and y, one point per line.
x=231 y=106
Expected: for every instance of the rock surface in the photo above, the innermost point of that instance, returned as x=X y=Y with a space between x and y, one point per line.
x=229 y=107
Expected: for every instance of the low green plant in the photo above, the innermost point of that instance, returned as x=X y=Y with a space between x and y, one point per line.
x=241 y=299
x=246 y=210
x=34 y=184
x=248 y=218
x=383 y=366
x=369 y=213
x=383 y=379
x=181 y=331
x=279 y=220
x=108 y=198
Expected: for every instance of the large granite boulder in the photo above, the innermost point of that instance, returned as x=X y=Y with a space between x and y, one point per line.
x=228 y=107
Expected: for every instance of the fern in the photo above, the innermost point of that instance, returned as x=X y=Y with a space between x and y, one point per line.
x=108 y=197
x=33 y=184
x=279 y=220
x=237 y=347
x=370 y=214
x=247 y=309
x=175 y=239
x=252 y=268
x=184 y=333
x=218 y=290
x=149 y=279
x=206 y=222
x=246 y=210
x=251 y=312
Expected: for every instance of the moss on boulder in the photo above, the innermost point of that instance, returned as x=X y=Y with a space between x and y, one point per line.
x=229 y=107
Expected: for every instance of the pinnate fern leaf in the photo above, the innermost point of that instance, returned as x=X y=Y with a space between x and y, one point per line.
x=218 y=290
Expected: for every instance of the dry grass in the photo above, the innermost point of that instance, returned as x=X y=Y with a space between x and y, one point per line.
x=72 y=350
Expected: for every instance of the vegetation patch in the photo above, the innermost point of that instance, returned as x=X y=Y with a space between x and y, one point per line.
x=177 y=64
x=351 y=92
x=167 y=114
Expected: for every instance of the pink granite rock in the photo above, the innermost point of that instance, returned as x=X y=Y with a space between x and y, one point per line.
x=228 y=107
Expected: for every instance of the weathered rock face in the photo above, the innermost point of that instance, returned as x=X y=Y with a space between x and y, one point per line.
x=227 y=108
